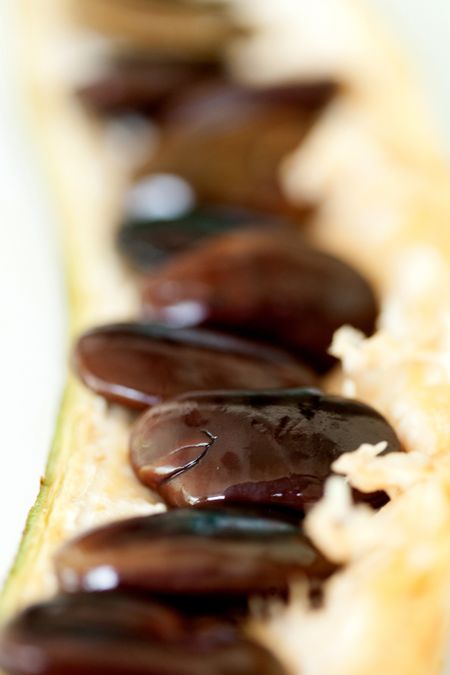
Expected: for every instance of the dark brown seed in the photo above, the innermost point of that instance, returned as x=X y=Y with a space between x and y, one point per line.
x=161 y=219
x=212 y=553
x=112 y=634
x=139 y=84
x=257 y=448
x=228 y=141
x=140 y=365
x=266 y=286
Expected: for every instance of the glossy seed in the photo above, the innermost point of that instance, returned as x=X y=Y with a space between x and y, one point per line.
x=256 y=448
x=135 y=83
x=112 y=634
x=161 y=220
x=228 y=141
x=266 y=286
x=211 y=553
x=142 y=364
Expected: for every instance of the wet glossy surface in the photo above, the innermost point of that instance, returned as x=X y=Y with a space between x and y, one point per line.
x=133 y=84
x=140 y=365
x=192 y=551
x=260 y=284
x=252 y=448
x=112 y=634
x=228 y=140
x=149 y=241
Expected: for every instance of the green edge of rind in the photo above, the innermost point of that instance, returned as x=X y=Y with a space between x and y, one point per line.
x=39 y=505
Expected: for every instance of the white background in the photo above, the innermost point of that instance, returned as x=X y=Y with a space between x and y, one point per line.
x=31 y=288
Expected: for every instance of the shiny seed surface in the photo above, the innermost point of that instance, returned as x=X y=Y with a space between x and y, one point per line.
x=146 y=241
x=142 y=364
x=256 y=448
x=112 y=634
x=260 y=284
x=192 y=552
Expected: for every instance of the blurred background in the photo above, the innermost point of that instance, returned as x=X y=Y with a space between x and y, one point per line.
x=31 y=285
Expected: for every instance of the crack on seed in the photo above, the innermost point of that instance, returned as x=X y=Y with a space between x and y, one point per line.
x=194 y=462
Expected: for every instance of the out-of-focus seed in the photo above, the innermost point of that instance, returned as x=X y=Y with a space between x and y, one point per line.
x=265 y=285
x=161 y=219
x=171 y=28
x=112 y=634
x=228 y=140
x=139 y=84
x=201 y=552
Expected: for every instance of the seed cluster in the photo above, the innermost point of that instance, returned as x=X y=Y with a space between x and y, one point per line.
x=238 y=311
